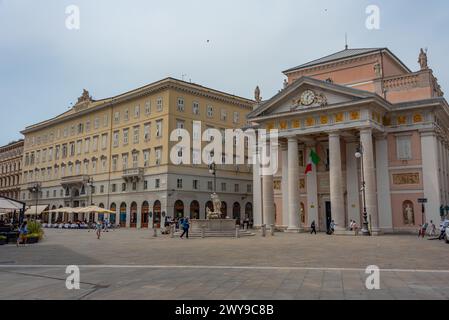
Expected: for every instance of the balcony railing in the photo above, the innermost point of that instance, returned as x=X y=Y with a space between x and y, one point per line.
x=74 y=180
x=133 y=174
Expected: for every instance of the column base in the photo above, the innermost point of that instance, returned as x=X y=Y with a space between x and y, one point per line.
x=294 y=230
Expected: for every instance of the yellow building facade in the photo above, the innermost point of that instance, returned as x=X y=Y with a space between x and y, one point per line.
x=115 y=153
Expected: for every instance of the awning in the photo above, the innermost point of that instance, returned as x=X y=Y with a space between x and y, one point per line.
x=7 y=205
x=33 y=210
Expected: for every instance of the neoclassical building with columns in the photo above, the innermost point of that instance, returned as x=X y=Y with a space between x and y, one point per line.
x=355 y=99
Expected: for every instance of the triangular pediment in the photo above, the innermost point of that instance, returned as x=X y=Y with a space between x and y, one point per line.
x=307 y=93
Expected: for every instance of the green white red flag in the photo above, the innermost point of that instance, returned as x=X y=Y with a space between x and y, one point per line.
x=314 y=159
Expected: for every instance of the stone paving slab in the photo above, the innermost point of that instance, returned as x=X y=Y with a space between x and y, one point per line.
x=131 y=264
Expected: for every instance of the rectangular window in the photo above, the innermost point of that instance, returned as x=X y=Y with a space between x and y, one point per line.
x=135 y=160
x=181 y=105
x=196 y=184
x=145 y=185
x=159 y=128
x=125 y=161
x=96 y=123
x=249 y=188
x=125 y=136
x=224 y=115
x=72 y=149
x=158 y=154
x=114 y=187
x=146 y=158
x=79 y=147
x=223 y=186
x=114 y=163
x=157 y=183
x=136 y=134
x=106 y=120
x=116 y=117
x=236 y=188
x=160 y=105
x=87 y=125
x=236 y=118
x=50 y=154
x=196 y=108
x=210 y=111
x=148 y=108
x=95 y=144
x=126 y=115
x=102 y=189
x=147 y=132
x=116 y=139
x=87 y=145
x=104 y=141
x=123 y=187
x=137 y=111
x=94 y=167
x=209 y=185
x=179 y=184
x=57 y=152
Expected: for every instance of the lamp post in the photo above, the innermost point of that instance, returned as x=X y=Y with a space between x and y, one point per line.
x=365 y=229
x=91 y=185
x=35 y=189
x=213 y=171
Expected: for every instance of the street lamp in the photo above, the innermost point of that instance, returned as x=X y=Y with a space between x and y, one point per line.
x=365 y=229
x=35 y=189
x=91 y=185
x=213 y=170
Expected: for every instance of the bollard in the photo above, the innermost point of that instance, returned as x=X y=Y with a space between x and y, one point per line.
x=172 y=231
x=154 y=233
x=272 y=230
x=237 y=232
x=264 y=230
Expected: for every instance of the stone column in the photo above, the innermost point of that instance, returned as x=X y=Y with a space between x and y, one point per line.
x=293 y=185
x=312 y=189
x=139 y=217
x=268 y=199
x=257 y=189
x=336 y=182
x=383 y=185
x=284 y=187
x=128 y=216
x=366 y=138
x=429 y=150
x=353 y=182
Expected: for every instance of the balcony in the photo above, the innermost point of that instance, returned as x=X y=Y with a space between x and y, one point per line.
x=133 y=175
x=74 y=181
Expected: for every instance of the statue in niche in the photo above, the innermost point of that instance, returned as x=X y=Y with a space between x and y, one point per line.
x=408 y=213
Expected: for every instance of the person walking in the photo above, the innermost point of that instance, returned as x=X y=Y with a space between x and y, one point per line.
x=422 y=232
x=332 y=227
x=313 y=227
x=185 y=228
x=98 y=229
x=433 y=229
x=23 y=232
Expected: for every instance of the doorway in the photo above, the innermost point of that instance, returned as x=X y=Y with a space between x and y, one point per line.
x=328 y=212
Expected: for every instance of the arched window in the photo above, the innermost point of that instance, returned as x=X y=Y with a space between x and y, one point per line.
x=179 y=209
x=145 y=212
x=224 y=210
x=249 y=211
x=236 y=212
x=112 y=216
x=194 y=210
x=133 y=220
x=157 y=214
x=123 y=215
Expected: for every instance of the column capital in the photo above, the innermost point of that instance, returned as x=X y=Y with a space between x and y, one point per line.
x=366 y=131
x=292 y=139
x=334 y=134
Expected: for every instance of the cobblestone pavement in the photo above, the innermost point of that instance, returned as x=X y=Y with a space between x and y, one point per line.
x=131 y=264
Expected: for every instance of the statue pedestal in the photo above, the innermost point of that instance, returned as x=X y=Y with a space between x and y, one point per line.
x=213 y=225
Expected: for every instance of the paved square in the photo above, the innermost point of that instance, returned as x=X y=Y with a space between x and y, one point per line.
x=131 y=264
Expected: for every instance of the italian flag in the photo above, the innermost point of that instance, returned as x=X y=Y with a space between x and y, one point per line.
x=314 y=159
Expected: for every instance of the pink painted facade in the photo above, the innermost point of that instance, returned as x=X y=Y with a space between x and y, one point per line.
x=410 y=136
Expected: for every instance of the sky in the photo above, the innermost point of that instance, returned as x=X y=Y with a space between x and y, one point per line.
x=231 y=45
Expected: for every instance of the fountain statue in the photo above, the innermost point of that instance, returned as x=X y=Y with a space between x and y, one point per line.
x=216 y=214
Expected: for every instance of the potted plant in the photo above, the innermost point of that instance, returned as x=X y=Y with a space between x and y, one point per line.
x=2 y=240
x=35 y=232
